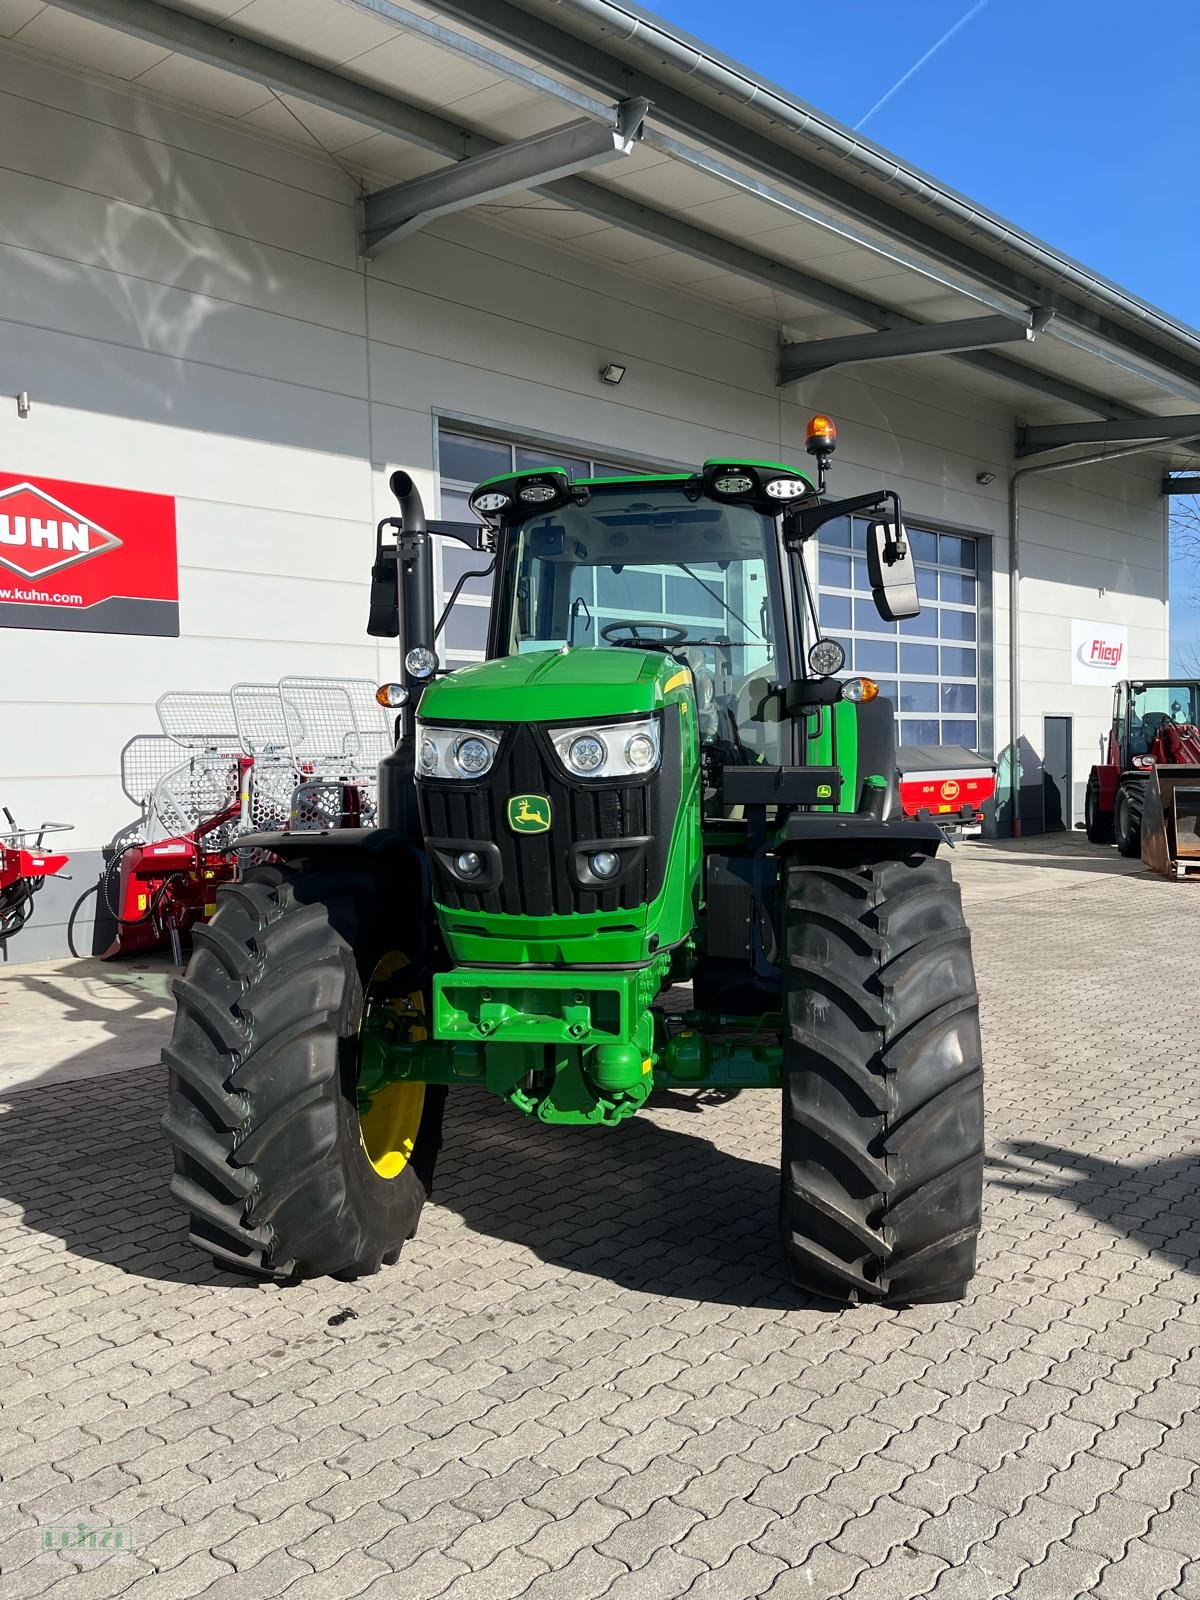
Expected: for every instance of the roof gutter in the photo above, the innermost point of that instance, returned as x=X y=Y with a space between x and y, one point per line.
x=647 y=44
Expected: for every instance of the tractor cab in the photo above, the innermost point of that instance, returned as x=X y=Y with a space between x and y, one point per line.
x=1144 y=711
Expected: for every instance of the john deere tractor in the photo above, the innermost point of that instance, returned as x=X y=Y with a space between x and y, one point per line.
x=659 y=777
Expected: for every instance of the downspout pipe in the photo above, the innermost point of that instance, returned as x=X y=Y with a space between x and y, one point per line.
x=1014 y=596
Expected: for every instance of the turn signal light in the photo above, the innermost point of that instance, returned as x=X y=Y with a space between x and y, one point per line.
x=859 y=689
x=820 y=435
x=392 y=695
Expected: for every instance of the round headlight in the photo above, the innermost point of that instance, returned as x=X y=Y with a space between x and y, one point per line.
x=639 y=752
x=536 y=494
x=420 y=662
x=587 y=753
x=492 y=500
x=826 y=657
x=392 y=695
x=428 y=756
x=469 y=864
x=733 y=483
x=472 y=756
x=605 y=864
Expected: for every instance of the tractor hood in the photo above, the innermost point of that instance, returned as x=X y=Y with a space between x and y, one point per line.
x=556 y=685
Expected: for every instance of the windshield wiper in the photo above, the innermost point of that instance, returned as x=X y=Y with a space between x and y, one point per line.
x=578 y=606
x=725 y=607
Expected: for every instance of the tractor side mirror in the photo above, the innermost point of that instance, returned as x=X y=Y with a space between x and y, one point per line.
x=891 y=571
x=383 y=617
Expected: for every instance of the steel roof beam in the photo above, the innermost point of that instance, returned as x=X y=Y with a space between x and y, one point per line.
x=1035 y=440
x=220 y=47
x=798 y=361
x=1182 y=483
x=390 y=214
x=681 y=108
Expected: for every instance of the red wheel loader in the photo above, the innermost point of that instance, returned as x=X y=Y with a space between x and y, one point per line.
x=1146 y=793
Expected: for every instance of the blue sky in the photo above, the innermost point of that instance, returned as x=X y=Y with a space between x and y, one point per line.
x=1074 y=118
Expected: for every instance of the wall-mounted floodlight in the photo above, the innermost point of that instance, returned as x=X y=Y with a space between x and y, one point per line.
x=612 y=372
x=984 y=478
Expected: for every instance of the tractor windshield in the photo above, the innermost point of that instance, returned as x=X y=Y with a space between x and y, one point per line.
x=645 y=566
x=1152 y=705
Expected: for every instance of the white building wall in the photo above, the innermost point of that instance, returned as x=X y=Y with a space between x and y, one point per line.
x=184 y=305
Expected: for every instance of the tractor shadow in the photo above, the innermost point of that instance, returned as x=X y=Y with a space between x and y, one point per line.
x=651 y=1207
x=1157 y=1203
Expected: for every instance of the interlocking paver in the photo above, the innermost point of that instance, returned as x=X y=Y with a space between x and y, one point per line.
x=587 y=1376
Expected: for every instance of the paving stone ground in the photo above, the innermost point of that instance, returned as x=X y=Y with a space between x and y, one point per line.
x=587 y=1377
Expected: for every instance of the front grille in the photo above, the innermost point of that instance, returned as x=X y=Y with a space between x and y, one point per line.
x=535 y=877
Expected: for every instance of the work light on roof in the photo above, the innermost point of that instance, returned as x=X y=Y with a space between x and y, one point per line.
x=491 y=500
x=537 y=494
x=733 y=483
x=787 y=488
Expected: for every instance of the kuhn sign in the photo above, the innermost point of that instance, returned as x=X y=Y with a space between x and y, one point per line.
x=86 y=558
x=1099 y=653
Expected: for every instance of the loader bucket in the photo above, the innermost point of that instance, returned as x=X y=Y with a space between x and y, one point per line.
x=1171 y=820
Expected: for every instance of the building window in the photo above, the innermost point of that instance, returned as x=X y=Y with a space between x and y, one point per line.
x=927 y=666
x=465 y=460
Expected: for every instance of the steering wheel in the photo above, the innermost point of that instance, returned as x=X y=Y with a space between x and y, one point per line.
x=673 y=634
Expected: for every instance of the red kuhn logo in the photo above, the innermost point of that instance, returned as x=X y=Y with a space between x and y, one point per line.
x=40 y=535
x=1101 y=652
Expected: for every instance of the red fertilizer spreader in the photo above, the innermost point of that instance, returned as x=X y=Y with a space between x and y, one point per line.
x=947 y=784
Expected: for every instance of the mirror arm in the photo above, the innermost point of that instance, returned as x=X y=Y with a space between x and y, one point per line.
x=801 y=523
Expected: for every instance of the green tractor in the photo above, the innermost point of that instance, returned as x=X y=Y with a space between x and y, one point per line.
x=610 y=807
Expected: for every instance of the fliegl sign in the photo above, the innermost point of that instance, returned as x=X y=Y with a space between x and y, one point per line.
x=87 y=559
x=1099 y=653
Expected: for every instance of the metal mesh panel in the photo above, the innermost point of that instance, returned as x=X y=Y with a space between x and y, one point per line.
x=199 y=719
x=320 y=717
x=264 y=726
x=272 y=781
x=200 y=787
x=369 y=716
x=145 y=762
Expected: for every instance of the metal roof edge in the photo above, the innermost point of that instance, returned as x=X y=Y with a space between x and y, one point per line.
x=648 y=42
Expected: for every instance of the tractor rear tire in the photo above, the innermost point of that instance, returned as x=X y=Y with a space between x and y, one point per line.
x=270 y=1160
x=1098 y=824
x=1127 y=815
x=882 y=1169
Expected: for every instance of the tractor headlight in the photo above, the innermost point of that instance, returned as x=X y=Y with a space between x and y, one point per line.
x=611 y=750
x=458 y=753
x=421 y=662
x=826 y=657
x=586 y=755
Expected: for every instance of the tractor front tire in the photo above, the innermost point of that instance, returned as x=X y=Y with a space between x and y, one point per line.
x=1127 y=814
x=270 y=1159
x=882 y=1169
x=1098 y=824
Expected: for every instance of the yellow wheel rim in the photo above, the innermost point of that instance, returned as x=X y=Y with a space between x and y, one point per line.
x=389 y=1129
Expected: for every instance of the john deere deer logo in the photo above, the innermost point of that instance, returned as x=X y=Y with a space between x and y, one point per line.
x=529 y=813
